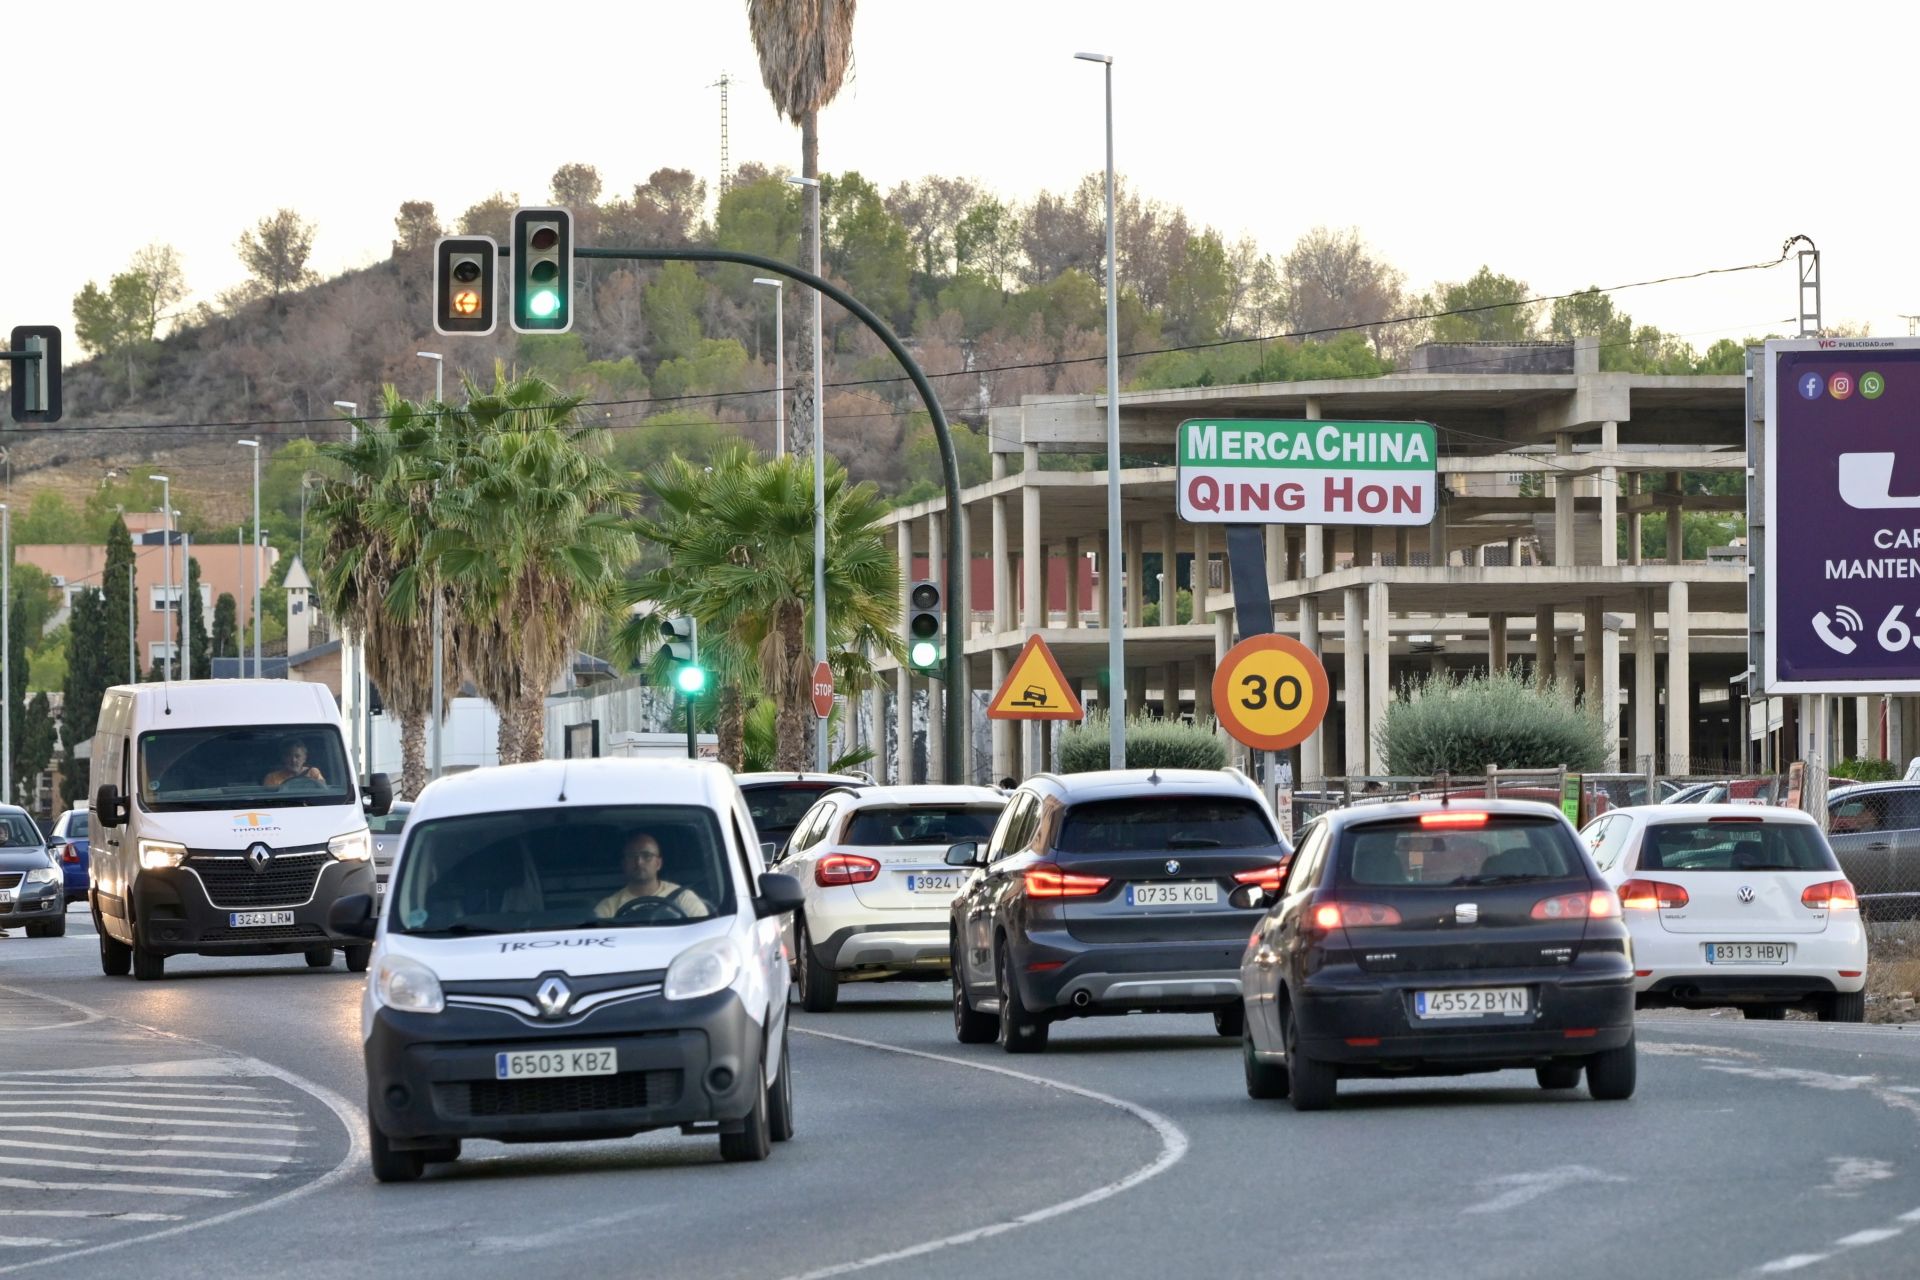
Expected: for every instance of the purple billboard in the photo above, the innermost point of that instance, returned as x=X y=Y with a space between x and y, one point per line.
x=1843 y=516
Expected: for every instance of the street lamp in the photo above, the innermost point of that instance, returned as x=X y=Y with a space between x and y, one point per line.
x=6 y=654
x=1116 y=637
x=255 y=446
x=439 y=607
x=166 y=560
x=819 y=482
x=779 y=363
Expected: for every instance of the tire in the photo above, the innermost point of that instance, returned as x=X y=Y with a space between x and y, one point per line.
x=442 y=1155
x=48 y=929
x=780 y=1098
x=147 y=965
x=116 y=958
x=1611 y=1073
x=1764 y=1012
x=1265 y=1080
x=970 y=1026
x=819 y=987
x=319 y=957
x=1312 y=1084
x=1230 y=1021
x=1019 y=1030
x=390 y=1165
x=1844 y=1006
x=1558 y=1075
x=754 y=1140
x=359 y=956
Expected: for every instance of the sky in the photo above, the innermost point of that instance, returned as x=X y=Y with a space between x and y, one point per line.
x=1564 y=145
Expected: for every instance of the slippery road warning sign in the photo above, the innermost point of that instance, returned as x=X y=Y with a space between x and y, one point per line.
x=1035 y=689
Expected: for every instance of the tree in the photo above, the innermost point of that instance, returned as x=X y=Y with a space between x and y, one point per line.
x=1453 y=725
x=1333 y=282
x=1487 y=308
x=931 y=210
x=198 y=647
x=226 y=627
x=492 y=216
x=33 y=748
x=166 y=283
x=672 y=308
x=112 y=636
x=866 y=246
x=88 y=667
x=115 y=322
x=275 y=250
x=805 y=48
x=576 y=187
x=416 y=227
x=987 y=241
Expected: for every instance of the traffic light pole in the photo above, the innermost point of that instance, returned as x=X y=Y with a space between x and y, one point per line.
x=956 y=559
x=693 y=746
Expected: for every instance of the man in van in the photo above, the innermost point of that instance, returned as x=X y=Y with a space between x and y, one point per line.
x=640 y=859
x=293 y=764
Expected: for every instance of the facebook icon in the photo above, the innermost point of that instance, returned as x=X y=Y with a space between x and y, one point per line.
x=1811 y=385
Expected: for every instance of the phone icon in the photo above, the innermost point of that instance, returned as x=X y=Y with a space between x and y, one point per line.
x=1823 y=627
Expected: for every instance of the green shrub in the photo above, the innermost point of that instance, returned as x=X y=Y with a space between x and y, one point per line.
x=1856 y=769
x=1463 y=725
x=1162 y=744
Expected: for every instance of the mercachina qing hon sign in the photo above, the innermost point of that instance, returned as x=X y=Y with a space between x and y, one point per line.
x=1247 y=471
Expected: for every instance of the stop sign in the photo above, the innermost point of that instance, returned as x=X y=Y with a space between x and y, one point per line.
x=822 y=690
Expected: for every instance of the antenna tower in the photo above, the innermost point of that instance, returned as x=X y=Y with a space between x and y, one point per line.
x=726 y=168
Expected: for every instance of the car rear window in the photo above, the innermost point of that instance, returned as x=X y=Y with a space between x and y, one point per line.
x=921 y=824
x=1146 y=824
x=1505 y=850
x=1734 y=845
x=783 y=806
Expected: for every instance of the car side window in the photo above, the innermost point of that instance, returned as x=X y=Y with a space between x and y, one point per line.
x=1306 y=859
x=803 y=835
x=1864 y=814
x=1903 y=810
x=743 y=853
x=1609 y=841
x=1012 y=822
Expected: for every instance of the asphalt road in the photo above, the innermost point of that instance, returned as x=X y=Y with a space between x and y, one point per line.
x=209 y=1125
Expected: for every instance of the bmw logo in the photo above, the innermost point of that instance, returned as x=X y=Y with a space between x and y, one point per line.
x=1173 y=866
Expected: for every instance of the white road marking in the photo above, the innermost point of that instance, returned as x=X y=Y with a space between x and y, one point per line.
x=95 y=1117
x=1852 y=1175
x=154 y=1137
x=153 y=1151
x=95 y=1166
x=1173 y=1148
x=1522 y=1187
x=48 y=1089
x=1793 y=1262
x=89 y=1213
x=174 y=1068
x=1873 y=1235
x=1911 y=1215
x=151 y=1088
x=31 y=1242
x=127 y=1188
x=92 y=1101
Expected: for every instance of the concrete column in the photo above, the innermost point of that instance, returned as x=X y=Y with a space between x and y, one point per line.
x=1609 y=498
x=1496 y=642
x=1437 y=546
x=1866 y=742
x=1563 y=667
x=1679 y=680
x=903 y=678
x=1169 y=570
x=1676 y=523
x=1278 y=568
x=1402 y=547
x=1354 y=679
x=1379 y=679
x=1362 y=546
x=1001 y=730
x=1202 y=562
x=1635 y=526
x=1591 y=644
x=1002 y=570
x=1313 y=541
x=1563 y=505
x=1311 y=760
x=1073 y=582
x=1202 y=690
x=1646 y=697
x=1543 y=653
x=1514 y=552
x=966 y=614
x=877 y=717
x=1610 y=691
x=1032 y=565
x=1133 y=537
x=1170 y=692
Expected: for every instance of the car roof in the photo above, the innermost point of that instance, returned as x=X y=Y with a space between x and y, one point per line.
x=1862 y=788
x=1399 y=810
x=1116 y=784
x=930 y=794
x=751 y=781
x=576 y=783
x=1664 y=813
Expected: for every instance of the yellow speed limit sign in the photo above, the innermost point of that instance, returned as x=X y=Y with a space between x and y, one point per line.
x=1270 y=692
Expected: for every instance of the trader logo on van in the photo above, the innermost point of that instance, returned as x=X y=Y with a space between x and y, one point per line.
x=253 y=822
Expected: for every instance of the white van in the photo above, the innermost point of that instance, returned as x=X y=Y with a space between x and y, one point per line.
x=226 y=821
x=575 y=949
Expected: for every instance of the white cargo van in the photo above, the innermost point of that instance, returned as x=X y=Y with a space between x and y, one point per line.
x=226 y=821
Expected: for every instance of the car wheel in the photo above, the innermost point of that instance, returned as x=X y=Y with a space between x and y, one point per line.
x=48 y=929
x=1610 y=1073
x=1764 y=1012
x=1264 y=1079
x=1230 y=1020
x=442 y=1155
x=1558 y=1075
x=115 y=957
x=970 y=1026
x=819 y=986
x=1312 y=1084
x=358 y=956
x=390 y=1165
x=780 y=1098
x=1019 y=1031
x=319 y=957
x=1844 y=1006
x=147 y=965
x=754 y=1140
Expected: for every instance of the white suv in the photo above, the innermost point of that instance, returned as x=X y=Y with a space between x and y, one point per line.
x=1741 y=905
x=872 y=864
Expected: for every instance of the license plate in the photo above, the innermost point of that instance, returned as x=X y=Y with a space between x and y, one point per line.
x=257 y=919
x=1748 y=952
x=1470 y=1002
x=555 y=1062
x=6 y=895
x=935 y=882
x=1189 y=893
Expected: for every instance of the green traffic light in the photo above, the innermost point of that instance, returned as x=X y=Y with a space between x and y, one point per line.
x=924 y=653
x=544 y=303
x=691 y=679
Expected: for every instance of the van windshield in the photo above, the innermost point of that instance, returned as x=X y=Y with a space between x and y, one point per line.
x=285 y=766
x=554 y=869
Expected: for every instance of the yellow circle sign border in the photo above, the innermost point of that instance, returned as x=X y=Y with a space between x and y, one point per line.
x=1231 y=669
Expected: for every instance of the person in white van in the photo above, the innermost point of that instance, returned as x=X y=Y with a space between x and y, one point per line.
x=641 y=859
x=294 y=766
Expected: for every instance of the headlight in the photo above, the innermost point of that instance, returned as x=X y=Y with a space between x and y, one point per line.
x=355 y=846
x=158 y=855
x=702 y=969
x=407 y=985
x=44 y=875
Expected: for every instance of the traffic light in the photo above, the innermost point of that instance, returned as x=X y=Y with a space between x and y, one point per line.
x=36 y=383
x=682 y=636
x=463 y=282
x=542 y=270
x=923 y=627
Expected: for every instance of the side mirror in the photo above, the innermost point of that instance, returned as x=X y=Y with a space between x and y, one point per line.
x=779 y=894
x=1248 y=896
x=56 y=842
x=378 y=794
x=966 y=853
x=352 y=916
x=106 y=805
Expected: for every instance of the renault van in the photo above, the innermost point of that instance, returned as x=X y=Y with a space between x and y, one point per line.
x=575 y=949
x=226 y=821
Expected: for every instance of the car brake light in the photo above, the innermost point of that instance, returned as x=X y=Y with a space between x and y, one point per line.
x=1833 y=895
x=1453 y=818
x=69 y=855
x=845 y=868
x=1650 y=895
x=1600 y=904
x=1354 y=915
x=1267 y=878
x=1044 y=880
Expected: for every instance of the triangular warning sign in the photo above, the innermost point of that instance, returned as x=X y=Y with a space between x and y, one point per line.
x=1035 y=689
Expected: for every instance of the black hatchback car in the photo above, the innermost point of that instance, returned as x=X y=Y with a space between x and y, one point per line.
x=1422 y=938
x=1107 y=893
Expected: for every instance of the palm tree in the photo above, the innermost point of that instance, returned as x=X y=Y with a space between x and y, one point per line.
x=805 y=47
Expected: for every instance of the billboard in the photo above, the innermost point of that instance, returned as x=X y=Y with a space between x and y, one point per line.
x=1842 y=557
x=1251 y=471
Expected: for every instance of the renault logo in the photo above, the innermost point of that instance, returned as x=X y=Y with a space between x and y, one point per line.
x=554 y=997
x=1173 y=866
x=259 y=857
x=1746 y=893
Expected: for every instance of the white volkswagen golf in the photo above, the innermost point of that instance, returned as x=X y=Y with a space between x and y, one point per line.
x=1734 y=905
x=872 y=864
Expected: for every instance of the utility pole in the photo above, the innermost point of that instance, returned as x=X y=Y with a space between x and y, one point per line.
x=6 y=655
x=439 y=622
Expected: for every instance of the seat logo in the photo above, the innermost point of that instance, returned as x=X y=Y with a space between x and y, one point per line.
x=1466 y=913
x=554 y=997
x=1173 y=866
x=259 y=857
x=1746 y=893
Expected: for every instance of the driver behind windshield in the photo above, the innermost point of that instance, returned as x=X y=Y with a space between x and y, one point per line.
x=293 y=764
x=640 y=859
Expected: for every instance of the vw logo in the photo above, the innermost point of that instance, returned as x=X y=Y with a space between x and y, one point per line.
x=1173 y=866
x=259 y=856
x=1746 y=893
x=554 y=997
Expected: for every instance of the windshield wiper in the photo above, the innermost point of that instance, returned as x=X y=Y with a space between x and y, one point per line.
x=454 y=930
x=1509 y=878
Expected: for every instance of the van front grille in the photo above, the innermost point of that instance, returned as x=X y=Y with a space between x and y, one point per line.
x=627 y=1091
x=230 y=881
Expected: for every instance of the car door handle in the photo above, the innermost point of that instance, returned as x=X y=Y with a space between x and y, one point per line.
x=1880 y=844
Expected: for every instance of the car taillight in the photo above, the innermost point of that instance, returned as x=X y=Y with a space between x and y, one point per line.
x=1652 y=895
x=1354 y=915
x=1833 y=895
x=1599 y=904
x=1044 y=880
x=845 y=868
x=1453 y=818
x=1267 y=878
x=68 y=855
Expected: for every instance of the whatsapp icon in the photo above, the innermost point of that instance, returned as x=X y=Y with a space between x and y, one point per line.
x=1872 y=386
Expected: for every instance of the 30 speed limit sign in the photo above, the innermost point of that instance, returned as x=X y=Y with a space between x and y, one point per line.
x=1270 y=692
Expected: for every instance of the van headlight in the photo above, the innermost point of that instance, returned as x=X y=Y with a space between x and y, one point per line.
x=354 y=846
x=43 y=875
x=407 y=985
x=702 y=969
x=158 y=855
